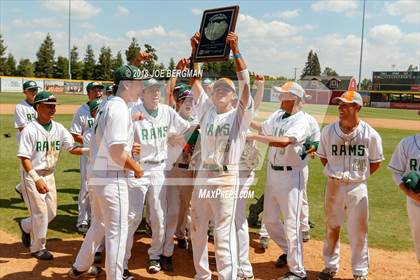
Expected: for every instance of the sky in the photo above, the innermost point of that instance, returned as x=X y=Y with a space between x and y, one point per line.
x=274 y=36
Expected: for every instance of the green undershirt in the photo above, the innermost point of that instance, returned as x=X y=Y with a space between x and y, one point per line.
x=47 y=126
x=152 y=113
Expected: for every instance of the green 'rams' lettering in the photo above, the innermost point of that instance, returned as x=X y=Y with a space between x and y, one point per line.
x=90 y=122
x=45 y=146
x=215 y=130
x=153 y=133
x=414 y=165
x=30 y=117
x=350 y=150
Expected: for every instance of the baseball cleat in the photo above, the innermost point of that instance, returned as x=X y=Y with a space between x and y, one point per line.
x=245 y=277
x=291 y=276
x=305 y=236
x=92 y=272
x=127 y=275
x=82 y=228
x=182 y=243
x=26 y=237
x=281 y=261
x=154 y=266
x=18 y=190
x=326 y=275
x=360 y=277
x=264 y=242
x=311 y=225
x=43 y=254
x=166 y=263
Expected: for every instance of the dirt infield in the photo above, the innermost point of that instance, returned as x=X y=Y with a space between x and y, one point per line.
x=7 y=109
x=16 y=262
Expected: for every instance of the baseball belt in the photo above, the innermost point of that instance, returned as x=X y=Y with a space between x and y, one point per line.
x=281 y=168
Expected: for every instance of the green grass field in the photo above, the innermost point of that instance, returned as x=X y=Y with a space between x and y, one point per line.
x=388 y=219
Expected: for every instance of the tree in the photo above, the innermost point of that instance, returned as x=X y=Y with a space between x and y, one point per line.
x=316 y=67
x=220 y=69
x=329 y=72
x=10 y=65
x=312 y=66
x=366 y=84
x=44 y=66
x=76 y=64
x=89 y=64
x=104 y=68
x=61 y=68
x=132 y=51
x=25 y=68
x=151 y=64
x=2 y=57
x=117 y=61
x=172 y=64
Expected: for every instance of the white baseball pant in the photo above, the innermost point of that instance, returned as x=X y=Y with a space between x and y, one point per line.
x=304 y=217
x=349 y=199
x=179 y=187
x=413 y=210
x=246 y=178
x=42 y=208
x=83 y=199
x=283 y=195
x=109 y=219
x=222 y=211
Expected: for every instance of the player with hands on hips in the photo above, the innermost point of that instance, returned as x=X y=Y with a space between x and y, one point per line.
x=39 y=147
x=351 y=151
x=405 y=165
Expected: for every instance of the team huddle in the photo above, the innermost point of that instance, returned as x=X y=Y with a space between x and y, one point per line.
x=138 y=154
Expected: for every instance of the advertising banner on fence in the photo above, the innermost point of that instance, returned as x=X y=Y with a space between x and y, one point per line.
x=10 y=84
x=54 y=86
x=73 y=87
x=39 y=82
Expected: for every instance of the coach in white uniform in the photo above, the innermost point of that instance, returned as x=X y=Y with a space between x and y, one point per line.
x=110 y=146
x=351 y=151
x=406 y=160
x=82 y=121
x=223 y=132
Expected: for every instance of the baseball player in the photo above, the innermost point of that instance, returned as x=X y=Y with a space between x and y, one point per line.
x=179 y=181
x=405 y=164
x=152 y=134
x=24 y=114
x=351 y=151
x=108 y=90
x=222 y=142
x=39 y=147
x=110 y=159
x=82 y=121
x=285 y=132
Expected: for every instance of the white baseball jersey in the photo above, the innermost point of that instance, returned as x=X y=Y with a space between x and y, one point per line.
x=406 y=157
x=313 y=127
x=349 y=155
x=82 y=120
x=294 y=126
x=42 y=147
x=216 y=128
x=112 y=126
x=152 y=132
x=24 y=114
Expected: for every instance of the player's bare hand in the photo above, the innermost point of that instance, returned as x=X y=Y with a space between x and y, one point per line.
x=232 y=40
x=183 y=64
x=137 y=116
x=313 y=155
x=143 y=56
x=135 y=151
x=194 y=41
x=251 y=137
x=139 y=172
x=41 y=186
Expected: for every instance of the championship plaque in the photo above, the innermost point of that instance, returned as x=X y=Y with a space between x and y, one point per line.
x=215 y=26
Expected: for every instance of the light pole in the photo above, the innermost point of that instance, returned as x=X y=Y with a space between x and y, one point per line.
x=295 y=72
x=361 y=45
x=69 y=39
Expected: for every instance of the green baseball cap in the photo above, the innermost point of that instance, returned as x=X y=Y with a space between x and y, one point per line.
x=151 y=83
x=181 y=87
x=91 y=85
x=94 y=104
x=109 y=88
x=29 y=85
x=45 y=97
x=125 y=72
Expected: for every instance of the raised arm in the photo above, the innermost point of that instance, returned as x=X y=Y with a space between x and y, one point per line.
x=140 y=58
x=196 y=86
x=260 y=80
x=169 y=98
